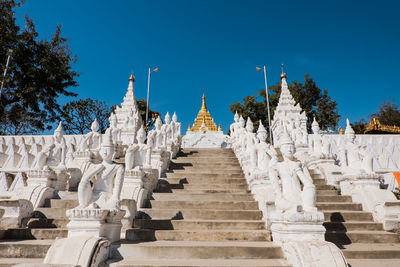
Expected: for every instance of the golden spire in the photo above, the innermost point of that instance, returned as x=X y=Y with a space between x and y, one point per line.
x=132 y=78
x=204 y=117
x=283 y=75
x=219 y=128
x=203 y=104
x=188 y=129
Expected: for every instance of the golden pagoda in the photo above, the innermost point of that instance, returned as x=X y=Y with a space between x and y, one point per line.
x=204 y=117
x=375 y=127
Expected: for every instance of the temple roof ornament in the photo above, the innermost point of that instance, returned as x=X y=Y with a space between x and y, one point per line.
x=375 y=127
x=204 y=117
x=283 y=75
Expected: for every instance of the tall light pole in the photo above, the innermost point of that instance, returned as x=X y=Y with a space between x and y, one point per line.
x=266 y=93
x=9 y=53
x=148 y=91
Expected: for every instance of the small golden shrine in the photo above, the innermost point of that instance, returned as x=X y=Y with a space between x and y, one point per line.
x=375 y=127
x=204 y=117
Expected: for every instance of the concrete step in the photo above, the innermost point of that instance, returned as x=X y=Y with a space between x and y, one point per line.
x=210 y=186
x=211 y=168
x=63 y=203
x=68 y=195
x=316 y=176
x=201 y=196
x=51 y=213
x=323 y=187
x=199 y=164
x=209 y=157
x=323 y=206
x=191 y=180
x=373 y=262
x=348 y=237
x=207 y=171
x=204 y=175
x=28 y=233
x=235 y=205
x=48 y=223
x=197 y=235
x=342 y=216
x=209 y=191
x=24 y=248
x=206 y=160
x=327 y=193
x=352 y=226
x=319 y=181
x=196 y=250
x=204 y=214
x=153 y=262
x=372 y=251
x=204 y=150
x=334 y=198
x=8 y=262
x=199 y=224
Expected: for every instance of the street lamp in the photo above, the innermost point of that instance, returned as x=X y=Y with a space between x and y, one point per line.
x=266 y=93
x=148 y=91
x=9 y=53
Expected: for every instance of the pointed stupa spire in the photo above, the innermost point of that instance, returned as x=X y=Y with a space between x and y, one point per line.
x=203 y=103
x=129 y=103
x=204 y=117
x=349 y=129
x=261 y=128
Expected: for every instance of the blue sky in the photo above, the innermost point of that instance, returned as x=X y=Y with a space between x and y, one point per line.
x=352 y=48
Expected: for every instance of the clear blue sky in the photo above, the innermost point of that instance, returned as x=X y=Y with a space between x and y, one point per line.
x=350 y=47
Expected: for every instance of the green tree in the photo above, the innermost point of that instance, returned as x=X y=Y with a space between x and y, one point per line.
x=359 y=126
x=39 y=72
x=312 y=100
x=78 y=115
x=388 y=114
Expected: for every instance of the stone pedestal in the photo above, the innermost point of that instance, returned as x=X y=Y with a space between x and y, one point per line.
x=95 y=222
x=160 y=160
x=82 y=157
x=77 y=251
x=14 y=212
x=302 y=238
x=133 y=188
x=42 y=178
x=349 y=183
x=365 y=189
x=297 y=226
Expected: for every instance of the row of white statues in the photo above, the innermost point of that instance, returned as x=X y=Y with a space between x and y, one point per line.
x=123 y=163
x=279 y=177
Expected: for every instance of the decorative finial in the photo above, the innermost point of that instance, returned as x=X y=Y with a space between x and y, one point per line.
x=283 y=75
x=188 y=129
x=219 y=128
x=203 y=104
x=132 y=78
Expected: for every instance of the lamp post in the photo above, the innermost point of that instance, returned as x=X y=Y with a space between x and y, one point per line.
x=148 y=91
x=9 y=53
x=266 y=93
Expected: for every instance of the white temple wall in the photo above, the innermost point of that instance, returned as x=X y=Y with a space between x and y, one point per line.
x=36 y=138
x=385 y=149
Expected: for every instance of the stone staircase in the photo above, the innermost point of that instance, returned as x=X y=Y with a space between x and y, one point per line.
x=30 y=244
x=201 y=215
x=362 y=241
